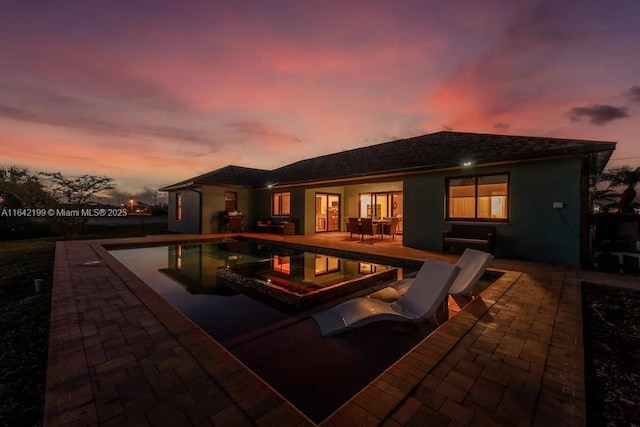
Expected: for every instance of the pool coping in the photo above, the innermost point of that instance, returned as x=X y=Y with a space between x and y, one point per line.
x=387 y=400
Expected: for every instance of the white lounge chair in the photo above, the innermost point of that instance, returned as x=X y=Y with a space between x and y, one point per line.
x=472 y=263
x=421 y=300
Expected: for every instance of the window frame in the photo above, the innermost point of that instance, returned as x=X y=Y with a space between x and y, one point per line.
x=475 y=218
x=273 y=203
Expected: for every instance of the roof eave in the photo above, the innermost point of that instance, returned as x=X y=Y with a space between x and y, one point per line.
x=179 y=186
x=428 y=169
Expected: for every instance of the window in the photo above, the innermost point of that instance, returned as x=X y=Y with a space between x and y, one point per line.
x=366 y=268
x=282 y=264
x=178 y=206
x=483 y=197
x=230 y=201
x=282 y=203
x=179 y=257
x=326 y=264
x=380 y=205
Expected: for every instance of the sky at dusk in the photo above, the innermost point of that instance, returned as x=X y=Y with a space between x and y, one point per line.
x=154 y=92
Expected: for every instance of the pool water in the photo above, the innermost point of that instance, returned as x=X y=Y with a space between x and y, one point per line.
x=283 y=346
x=188 y=277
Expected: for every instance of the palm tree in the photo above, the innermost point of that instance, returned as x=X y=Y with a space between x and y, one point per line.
x=606 y=195
x=624 y=176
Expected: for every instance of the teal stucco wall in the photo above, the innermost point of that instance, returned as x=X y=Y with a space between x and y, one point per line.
x=535 y=229
x=190 y=222
x=263 y=200
x=213 y=205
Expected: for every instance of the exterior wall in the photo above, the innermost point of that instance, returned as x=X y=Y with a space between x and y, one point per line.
x=264 y=199
x=190 y=222
x=262 y=205
x=213 y=207
x=535 y=230
x=297 y=208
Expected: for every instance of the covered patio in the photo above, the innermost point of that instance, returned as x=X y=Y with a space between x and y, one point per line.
x=334 y=204
x=120 y=354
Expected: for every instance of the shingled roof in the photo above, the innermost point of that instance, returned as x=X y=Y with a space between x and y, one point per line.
x=433 y=151
x=228 y=175
x=423 y=153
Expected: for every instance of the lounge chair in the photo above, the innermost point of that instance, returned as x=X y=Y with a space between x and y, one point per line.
x=420 y=302
x=472 y=263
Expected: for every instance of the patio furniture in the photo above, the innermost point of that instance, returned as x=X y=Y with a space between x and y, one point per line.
x=420 y=302
x=470 y=236
x=286 y=226
x=354 y=226
x=367 y=227
x=472 y=263
x=264 y=226
x=390 y=228
x=622 y=257
x=283 y=227
x=233 y=222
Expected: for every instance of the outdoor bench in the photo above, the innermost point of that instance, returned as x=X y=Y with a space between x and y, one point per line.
x=284 y=226
x=470 y=236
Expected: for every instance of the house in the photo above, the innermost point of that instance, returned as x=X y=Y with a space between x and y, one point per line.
x=534 y=190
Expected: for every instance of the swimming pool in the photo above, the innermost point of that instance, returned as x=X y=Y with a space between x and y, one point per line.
x=284 y=347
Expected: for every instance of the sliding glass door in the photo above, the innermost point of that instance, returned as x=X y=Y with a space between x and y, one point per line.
x=397 y=201
x=327 y=212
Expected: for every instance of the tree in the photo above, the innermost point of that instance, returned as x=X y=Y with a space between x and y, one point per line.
x=624 y=176
x=22 y=188
x=601 y=194
x=606 y=195
x=19 y=189
x=77 y=191
x=74 y=193
x=43 y=191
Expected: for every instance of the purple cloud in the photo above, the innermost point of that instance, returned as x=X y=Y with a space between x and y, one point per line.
x=597 y=114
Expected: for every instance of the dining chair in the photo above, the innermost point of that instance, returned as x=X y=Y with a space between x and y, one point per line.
x=367 y=227
x=391 y=229
x=354 y=226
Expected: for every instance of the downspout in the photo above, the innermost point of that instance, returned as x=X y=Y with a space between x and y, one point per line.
x=199 y=210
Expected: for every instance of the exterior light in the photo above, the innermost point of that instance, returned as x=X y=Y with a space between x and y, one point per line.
x=466 y=164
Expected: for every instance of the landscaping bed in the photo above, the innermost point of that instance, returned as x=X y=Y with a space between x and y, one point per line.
x=612 y=355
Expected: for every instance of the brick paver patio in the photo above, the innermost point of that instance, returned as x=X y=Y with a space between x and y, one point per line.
x=121 y=355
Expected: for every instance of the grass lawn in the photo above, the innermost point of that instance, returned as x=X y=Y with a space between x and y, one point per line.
x=24 y=319
x=24 y=329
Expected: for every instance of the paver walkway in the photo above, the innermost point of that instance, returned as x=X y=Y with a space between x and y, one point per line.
x=121 y=355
